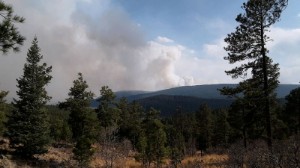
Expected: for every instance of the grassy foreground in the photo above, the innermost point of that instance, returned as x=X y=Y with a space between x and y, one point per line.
x=61 y=156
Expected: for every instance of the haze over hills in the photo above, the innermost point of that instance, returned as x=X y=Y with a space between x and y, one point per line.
x=188 y=98
x=200 y=91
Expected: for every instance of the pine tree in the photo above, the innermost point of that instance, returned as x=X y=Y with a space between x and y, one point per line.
x=83 y=151
x=28 y=127
x=240 y=118
x=176 y=144
x=248 y=42
x=185 y=125
x=153 y=139
x=292 y=111
x=204 y=127
x=78 y=104
x=220 y=128
x=10 y=38
x=131 y=115
x=3 y=94
x=107 y=112
x=82 y=119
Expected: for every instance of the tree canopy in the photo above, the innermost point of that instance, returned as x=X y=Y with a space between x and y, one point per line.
x=247 y=46
x=10 y=37
x=28 y=124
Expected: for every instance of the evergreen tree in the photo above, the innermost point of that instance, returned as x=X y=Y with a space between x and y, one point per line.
x=59 y=127
x=82 y=119
x=2 y=110
x=176 y=140
x=240 y=118
x=107 y=112
x=291 y=115
x=153 y=139
x=78 y=103
x=131 y=115
x=28 y=124
x=3 y=94
x=204 y=127
x=10 y=38
x=176 y=144
x=185 y=123
x=142 y=149
x=248 y=42
x=220 y=133
x=83 y=151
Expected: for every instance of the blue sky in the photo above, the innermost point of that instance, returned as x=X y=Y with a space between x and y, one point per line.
x=191 y=22
x=140 y=44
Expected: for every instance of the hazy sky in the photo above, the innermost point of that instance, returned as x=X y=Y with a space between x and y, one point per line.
x=140 y=44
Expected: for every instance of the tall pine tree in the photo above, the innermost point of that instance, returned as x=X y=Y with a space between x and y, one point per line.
x=248 y=45
x=27 y=126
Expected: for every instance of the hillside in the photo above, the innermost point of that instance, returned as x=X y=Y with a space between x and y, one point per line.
x=204 y=91
x=189 y=98
x=167 y=104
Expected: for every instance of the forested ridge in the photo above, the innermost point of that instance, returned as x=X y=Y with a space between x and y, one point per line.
x=250 y=127
x=189 y=98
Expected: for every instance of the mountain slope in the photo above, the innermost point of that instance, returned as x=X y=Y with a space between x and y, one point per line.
x=205 y=91
x=167 y=104
x=189 y=97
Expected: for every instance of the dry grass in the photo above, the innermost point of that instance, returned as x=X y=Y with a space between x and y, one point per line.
x=62 y=157
x=207 y=161
x=214 y=160
x=132 y=163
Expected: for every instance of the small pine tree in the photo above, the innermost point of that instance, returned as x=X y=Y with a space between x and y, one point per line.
x=176 y=145
x=153 y=148
x=130 y=120
x=204 y=127
x=27 y=126
x=220 y=128
x=2 y=110
x=83 y=151
x=82 y=119
x=292 y=111
x=107 y=112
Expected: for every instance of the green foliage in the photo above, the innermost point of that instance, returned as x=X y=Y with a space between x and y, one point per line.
x=291 y=115
x=107 y=112
x=59 y=127
x=153 y=139
x=221 y=128
x=28 y=125
x=2 y=111
x=82 y=120
x=240 y=118
x=176 y=144
x=204 y=127
x=182 y=124
x=83 y=151
x=131 y=115
x=10 y=37
x=141 y=148
x=248 y=46
x=3 y=94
